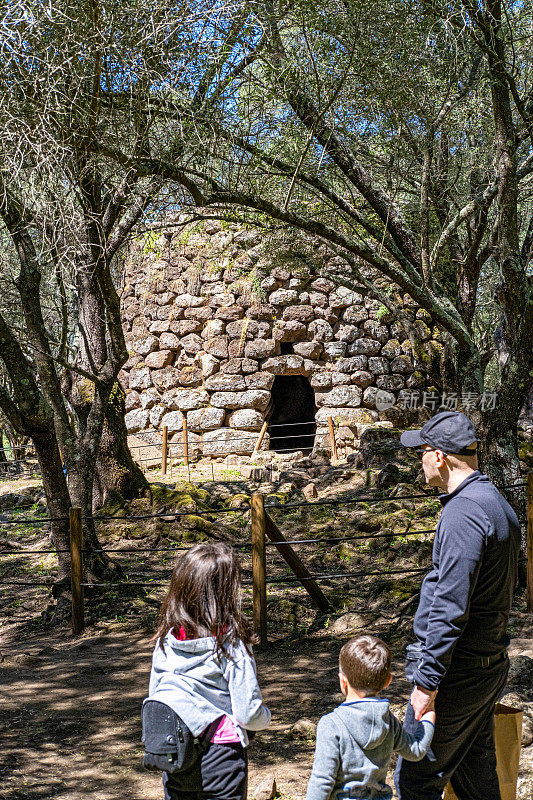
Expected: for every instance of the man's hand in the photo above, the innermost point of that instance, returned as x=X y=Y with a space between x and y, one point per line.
x=422 y=700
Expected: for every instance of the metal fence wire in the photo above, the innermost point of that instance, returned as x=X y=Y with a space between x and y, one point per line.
x=264 y=535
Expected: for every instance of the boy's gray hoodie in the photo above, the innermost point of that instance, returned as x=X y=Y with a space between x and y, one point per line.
x=200 y=685
x=354 y=744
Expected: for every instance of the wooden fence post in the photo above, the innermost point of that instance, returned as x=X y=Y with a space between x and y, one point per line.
x=165 y=451
x=259 y=567
x=332 y=438
x=76 y=571
x=185 y=442
x=530 y=541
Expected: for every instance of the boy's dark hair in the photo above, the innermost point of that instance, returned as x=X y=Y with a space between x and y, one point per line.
x=204 y=597
x=366 y=662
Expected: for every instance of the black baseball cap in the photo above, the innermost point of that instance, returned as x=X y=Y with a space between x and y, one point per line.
x=449 y=431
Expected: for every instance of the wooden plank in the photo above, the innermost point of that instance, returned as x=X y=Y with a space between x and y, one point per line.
x=297 y=566
x=260 y=437
x=76 y=571
x=259 y=568
x=332 y=438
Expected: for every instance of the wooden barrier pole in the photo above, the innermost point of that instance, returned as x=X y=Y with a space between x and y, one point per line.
x=259 y=567
x=185 y=442
x=530 y=541
x=260 y=437
x=164 y=454
x=332 y=438
x=76 y=571
x=297 y=566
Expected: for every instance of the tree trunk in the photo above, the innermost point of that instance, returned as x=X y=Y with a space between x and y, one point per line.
x=98 y=565
x=3 y=455
x=116 y=470
x=58 y=505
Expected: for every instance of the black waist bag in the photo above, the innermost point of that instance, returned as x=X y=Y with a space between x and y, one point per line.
x=168 y=743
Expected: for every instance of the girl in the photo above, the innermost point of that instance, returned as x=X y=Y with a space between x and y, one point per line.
x=203 y=668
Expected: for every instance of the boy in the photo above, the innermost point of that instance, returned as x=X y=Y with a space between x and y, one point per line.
x=354 y=742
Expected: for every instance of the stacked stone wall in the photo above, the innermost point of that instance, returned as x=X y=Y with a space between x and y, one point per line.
x=206 y=318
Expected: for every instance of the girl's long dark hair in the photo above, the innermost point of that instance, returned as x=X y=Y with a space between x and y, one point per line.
x=204 y=597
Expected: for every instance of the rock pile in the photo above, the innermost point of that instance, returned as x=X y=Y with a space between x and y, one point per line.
x=209 y=327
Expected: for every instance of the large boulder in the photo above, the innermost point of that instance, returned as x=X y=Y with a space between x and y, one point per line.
x=321 y=331
x=156 y=415
x=334 y=350
x=378 y=366
x=401 y=364
x=169 y=341
x=362 y=378
x=348 y=624
x=230 y=313
x=259 y=380
x=192 y=343
x=189 y=301
x=225 y=382
x=183 y=327
x=173 y=421
x=348 y=333
x=345 y=415
x=260 y=348
x=284 y=365
x=166 y=378
x=283 y=297
x=133 y=400
x=364 y=346
x=140 y=378
x=136 y=420
x=148 y=398
x=289 y=331
x=205 y=419
x=339 y=396
x=352 y=364
x=251 y=398
x=145 y=345
x=308 y=349
x=209 y=364
x=159 y=359
x=301 y=313
x=229 y=440
x=343 y=297
x=378 y=446
x=190 y=399
x=246 y=419
x=217 y=346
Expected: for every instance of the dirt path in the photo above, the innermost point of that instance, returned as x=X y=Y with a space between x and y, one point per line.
x=70 y=713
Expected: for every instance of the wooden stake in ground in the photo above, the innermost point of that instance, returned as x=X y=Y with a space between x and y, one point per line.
x=530 y=541
x=259 y=567
x=76 y=571
x=260 y=438
x=165 y=451
x=332 y=438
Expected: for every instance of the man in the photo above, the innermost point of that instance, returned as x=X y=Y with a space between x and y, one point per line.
x=460 y=656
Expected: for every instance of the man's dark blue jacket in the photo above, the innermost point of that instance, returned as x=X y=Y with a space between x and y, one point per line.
x=466 y=598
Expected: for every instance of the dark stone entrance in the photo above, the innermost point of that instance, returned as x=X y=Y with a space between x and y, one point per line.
x=292 y=423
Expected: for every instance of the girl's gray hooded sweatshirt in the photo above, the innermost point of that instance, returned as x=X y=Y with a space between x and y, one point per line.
x=201 y=686
x=354 y=744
